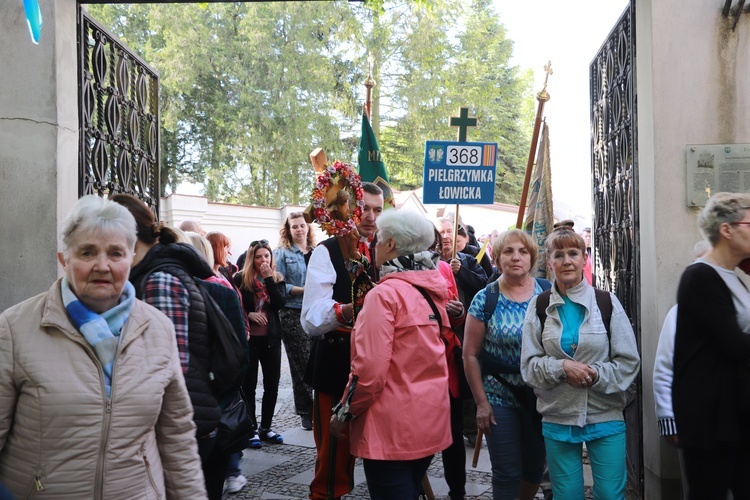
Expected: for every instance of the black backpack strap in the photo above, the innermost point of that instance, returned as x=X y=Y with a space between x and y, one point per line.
x=542 y=301
x=604 y=303
x=491 y=296
x=432 y=306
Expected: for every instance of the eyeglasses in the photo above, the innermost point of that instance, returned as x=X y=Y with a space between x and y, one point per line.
x=259 y=242
x=741 y=223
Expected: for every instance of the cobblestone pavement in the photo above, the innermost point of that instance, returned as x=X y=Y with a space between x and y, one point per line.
x=284 y=471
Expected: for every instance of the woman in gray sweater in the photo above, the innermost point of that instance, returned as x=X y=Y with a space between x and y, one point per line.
x=580 y=370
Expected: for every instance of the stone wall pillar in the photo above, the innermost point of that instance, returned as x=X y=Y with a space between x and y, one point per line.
x=38 y=144
x=692 y=89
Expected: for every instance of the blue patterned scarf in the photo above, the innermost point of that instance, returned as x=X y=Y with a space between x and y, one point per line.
x=101 y=331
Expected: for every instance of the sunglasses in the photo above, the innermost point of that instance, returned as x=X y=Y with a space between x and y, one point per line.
x=259 y=242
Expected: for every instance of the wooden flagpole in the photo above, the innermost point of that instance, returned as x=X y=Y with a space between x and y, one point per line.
x=542 y=97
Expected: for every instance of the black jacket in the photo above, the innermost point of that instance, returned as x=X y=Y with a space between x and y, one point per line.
x=470 y=278
x=711 y=386
x=486 y=262
x=185 y=263
x=277 y=294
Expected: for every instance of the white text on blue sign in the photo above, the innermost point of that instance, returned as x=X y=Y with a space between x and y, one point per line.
x=459 y=172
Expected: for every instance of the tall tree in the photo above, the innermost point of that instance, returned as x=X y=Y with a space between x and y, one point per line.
x=248 y=89
x=440 y=73
x=499 y=93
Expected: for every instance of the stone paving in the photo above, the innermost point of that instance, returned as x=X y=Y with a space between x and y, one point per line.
x=284 y=471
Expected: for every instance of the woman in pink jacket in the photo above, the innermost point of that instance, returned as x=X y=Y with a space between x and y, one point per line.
x=397 y=401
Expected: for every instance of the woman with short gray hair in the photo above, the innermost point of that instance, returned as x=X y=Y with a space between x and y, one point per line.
x=722 y=208
x=711 y=385
x=91 y=214
x=81 y=414
x=411 y=232
x=398 y=385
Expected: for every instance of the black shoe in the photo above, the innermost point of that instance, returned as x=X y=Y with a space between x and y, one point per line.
x=307 y=423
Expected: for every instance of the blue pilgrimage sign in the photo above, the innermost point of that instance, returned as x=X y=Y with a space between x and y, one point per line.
x=459 y=172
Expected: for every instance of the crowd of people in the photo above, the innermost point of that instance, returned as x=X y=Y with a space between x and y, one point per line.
x=405 y=338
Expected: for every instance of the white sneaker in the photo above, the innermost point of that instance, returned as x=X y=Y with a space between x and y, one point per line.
x=233 y=484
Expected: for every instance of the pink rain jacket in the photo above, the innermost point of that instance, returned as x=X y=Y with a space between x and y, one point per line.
x=400 y=404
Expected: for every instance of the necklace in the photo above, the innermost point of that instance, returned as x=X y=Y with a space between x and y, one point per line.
x=524 y=286
x=570 y=329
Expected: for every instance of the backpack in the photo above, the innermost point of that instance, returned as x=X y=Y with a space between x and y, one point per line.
x=524 y=394
x=603 y=302
x=492 y=294
x=229 y=350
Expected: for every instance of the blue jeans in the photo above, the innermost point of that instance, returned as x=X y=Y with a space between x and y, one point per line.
x=516 y=449
x=607 y=456
x=233 y=469
x=395 y=479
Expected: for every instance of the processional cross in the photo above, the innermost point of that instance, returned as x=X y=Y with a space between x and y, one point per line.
x=463 y=122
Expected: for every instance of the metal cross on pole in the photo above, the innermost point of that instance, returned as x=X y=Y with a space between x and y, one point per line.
x=463 y=122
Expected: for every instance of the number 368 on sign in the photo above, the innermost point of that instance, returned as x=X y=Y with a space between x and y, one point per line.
x=464 y=155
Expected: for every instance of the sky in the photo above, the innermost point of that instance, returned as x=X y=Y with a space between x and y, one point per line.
x=569 y=34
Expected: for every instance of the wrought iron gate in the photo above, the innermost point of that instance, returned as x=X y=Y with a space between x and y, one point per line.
x=614 y=159
x=118 y=102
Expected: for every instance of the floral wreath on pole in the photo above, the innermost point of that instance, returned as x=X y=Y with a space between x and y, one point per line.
x=330 y=199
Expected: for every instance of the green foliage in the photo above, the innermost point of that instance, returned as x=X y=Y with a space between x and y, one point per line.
x=249 y=89
x=438 y=74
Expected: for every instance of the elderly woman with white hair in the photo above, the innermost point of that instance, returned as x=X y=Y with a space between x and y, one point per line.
x=711 y=385
x=397 y=396
x=93 y=403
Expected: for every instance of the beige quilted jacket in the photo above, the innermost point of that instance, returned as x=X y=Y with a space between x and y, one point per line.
x=59 y=436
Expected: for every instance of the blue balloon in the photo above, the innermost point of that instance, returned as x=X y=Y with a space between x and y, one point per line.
x=33 y=18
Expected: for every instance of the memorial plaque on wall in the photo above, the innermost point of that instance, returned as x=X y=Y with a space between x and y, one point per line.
x=712 y=168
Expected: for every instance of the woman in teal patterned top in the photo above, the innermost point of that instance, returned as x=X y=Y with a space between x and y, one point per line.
x=505 y=412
